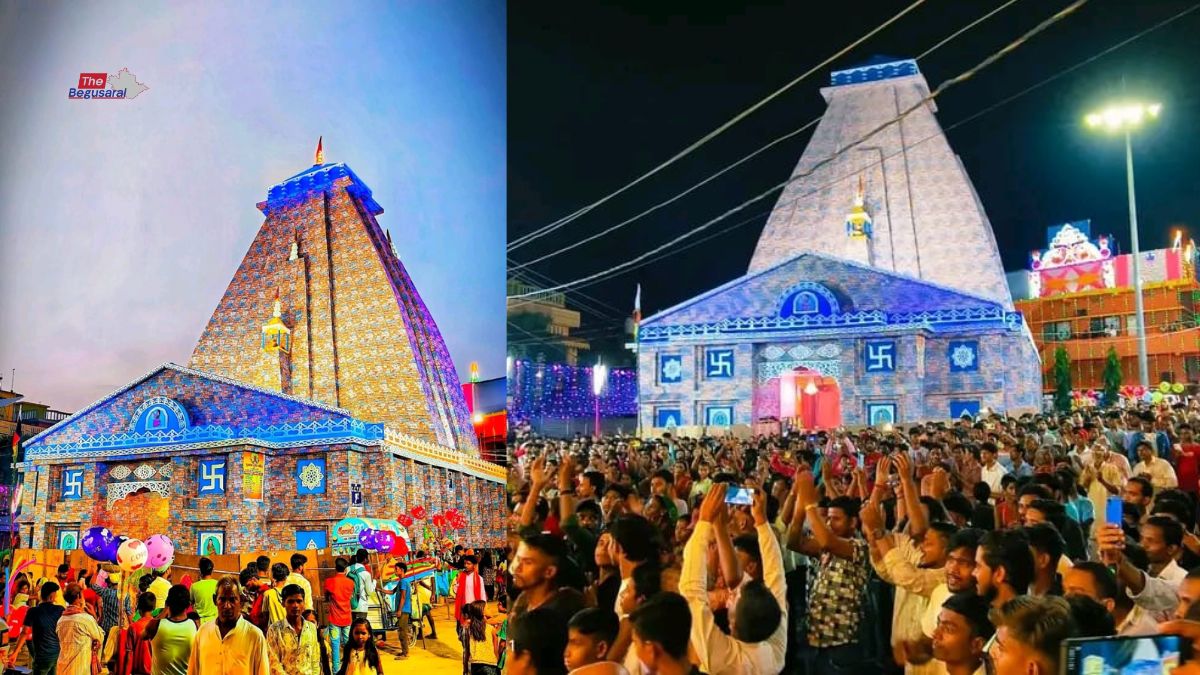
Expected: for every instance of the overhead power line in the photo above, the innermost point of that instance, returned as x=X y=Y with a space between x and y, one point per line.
x=743 y=160
x=958 y=79
x=541 y=232
x=966 y=120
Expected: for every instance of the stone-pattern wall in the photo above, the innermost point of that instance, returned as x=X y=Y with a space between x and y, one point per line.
x=362 y=339
x=928 y=221
x=1006 y=379
x=250 y=525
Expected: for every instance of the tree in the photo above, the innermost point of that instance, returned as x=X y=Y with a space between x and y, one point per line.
x=1112 y=377
x=1062 y=380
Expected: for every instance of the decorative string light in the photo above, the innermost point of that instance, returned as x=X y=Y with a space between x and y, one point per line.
x=560 y=391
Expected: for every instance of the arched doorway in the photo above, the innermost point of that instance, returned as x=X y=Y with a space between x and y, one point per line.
x=140 y=514
x=812 y=400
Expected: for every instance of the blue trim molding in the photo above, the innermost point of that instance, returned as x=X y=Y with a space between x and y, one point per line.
x=275 y=436
x=809 y=325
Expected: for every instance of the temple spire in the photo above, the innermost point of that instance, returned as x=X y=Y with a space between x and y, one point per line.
x=320 y=151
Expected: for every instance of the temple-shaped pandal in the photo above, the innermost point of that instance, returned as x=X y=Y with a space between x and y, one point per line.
x=320 y=390
x=875 y=293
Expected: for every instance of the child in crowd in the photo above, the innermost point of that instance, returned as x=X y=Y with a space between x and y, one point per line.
x=590 y=635
x=484 y=646
x=361 y=657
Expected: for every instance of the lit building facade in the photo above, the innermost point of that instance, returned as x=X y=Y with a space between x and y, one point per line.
x=1080 y=297
x=321 y=389
x=875 y=293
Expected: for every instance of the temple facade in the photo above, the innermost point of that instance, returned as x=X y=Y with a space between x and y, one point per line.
x=321 y=389
x=875 y=294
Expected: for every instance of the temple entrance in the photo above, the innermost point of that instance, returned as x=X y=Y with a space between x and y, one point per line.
x=811 y=400
x=139 y=514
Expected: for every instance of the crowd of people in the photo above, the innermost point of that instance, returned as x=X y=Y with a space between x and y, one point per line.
x=259 y=622
x=973 y=546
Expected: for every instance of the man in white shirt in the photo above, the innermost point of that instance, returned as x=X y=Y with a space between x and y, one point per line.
x=992 y=471
x=299 y=560
x=754 y=647
x=231 y=645
x=1159 y=471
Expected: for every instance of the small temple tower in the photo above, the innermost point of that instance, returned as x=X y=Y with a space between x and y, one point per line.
x=275 y=369
x=859 y=247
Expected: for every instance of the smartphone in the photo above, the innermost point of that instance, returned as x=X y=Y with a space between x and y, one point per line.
x=741 y=496
x=1145 y=655
x=1114 y=510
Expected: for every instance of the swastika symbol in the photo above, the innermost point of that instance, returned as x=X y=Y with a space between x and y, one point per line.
x=881 y=357
x=212 y=478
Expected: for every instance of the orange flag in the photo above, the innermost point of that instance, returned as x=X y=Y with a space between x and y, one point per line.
x=320 y=152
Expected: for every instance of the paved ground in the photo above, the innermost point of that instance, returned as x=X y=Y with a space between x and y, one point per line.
x=436 y=657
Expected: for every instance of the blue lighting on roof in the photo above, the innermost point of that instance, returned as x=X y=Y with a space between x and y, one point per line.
x=875 y=69
x=317 y=178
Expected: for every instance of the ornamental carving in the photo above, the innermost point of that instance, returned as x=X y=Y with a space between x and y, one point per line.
x=119 y=491
x=828 y=368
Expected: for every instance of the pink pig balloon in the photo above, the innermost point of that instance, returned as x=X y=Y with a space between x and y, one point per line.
x=160 y=551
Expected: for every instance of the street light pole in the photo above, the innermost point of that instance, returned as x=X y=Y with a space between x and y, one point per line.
x=1127 y=117
x=1143 y=367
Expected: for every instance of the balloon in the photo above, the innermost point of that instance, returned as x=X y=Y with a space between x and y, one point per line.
x=405 y=520
x=439 y=520
x=160 y=551
x=418 y=512
x=95 y=542
x=366 y=538
x=132 y=554
x=385 y=540
x=1148 y=397
x=1156 y=397
x=400 y=547
x=1177 y=388
x=1164 y=387
x=110 y=552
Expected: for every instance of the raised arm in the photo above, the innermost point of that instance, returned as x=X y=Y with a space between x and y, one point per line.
x=768 y=547
x=730 y=570
x=825 y=538
x=538 y=481
x=716 y=650
x=566 y=489
x=917 y=523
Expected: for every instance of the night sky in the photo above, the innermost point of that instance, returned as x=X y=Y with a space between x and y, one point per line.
x=599 y=95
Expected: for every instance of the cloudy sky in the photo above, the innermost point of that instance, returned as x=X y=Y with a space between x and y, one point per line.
x=121 y=222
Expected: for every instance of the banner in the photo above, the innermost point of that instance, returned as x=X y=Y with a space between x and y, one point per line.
x=253 y=470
